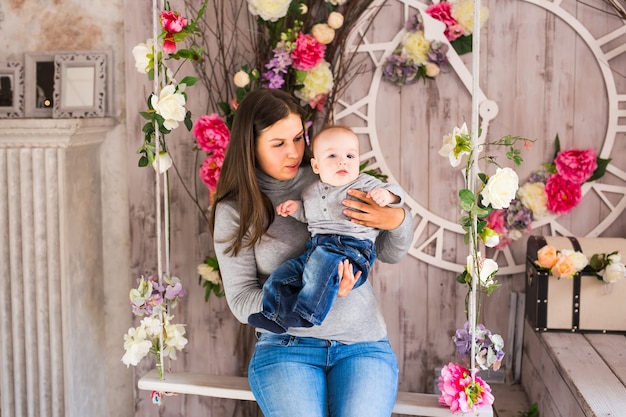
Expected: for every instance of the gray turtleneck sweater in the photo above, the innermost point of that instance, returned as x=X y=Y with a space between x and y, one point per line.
x=353 y=318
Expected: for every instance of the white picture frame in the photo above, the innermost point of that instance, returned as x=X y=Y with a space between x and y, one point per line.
x=38 y=84
x=11 y=90
x=80 y=85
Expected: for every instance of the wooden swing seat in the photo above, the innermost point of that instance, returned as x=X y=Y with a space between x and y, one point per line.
x=237 y=388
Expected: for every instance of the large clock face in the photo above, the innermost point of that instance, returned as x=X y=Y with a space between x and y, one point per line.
x=406 y=124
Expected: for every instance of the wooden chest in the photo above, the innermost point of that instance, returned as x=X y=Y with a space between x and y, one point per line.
x=580 y=304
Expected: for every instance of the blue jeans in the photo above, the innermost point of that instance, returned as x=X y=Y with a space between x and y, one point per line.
x=301 y=291
x=306 y=377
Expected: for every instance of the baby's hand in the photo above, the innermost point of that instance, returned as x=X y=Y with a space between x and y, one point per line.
x=287 y=208
x=382 y=197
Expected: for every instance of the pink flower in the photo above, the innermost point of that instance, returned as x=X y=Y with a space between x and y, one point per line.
x=211 y=133
x=576 y=165
x=307 y=53
x=210 y=170
x=169 y=44
x=459 y=392
x=172 y=22
x=496 y=221
x=443 y=12
x=563 y=195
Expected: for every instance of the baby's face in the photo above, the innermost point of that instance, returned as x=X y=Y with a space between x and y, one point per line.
x=336 y=156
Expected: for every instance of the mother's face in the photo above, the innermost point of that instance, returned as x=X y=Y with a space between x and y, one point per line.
x=280 y=148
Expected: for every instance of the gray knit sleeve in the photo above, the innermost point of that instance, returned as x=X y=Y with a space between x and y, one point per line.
x=392 y=245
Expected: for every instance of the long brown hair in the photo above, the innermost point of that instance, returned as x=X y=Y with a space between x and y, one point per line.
x=259 y=110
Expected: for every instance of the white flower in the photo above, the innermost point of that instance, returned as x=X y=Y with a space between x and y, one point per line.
x=136 y=346
x=432 y=69
x=614 y=258
x=613 y=272
x=463 y=12
x=303 y=8
x=209 y=274
x=170 y=105
x=335 y=20
x=500 y=188
x=318 y=81
x=487 y=268
x=162 y=163
x=152 y=325
x=143 y=54
x=533 y=196
x=492 y=240
x=449 y=147
x=269 y=10
x=241 y=79
x=175 y=339
x=579 y=260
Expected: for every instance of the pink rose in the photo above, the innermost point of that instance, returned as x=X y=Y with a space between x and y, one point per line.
x=211 y=133
x=172 y=22
x=453 y=32
x=576 y=165
x=210 y=170
x=169 y=44
x=563 y=195
x=496 y=221
x=307 y=53
x=442 y=12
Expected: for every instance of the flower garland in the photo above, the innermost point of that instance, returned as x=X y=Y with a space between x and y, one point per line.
x=565 y=263
x=461 y=389
x=554 y=189
x=420 y=58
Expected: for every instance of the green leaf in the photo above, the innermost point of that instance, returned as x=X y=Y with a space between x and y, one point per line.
x=188 y=122
x=557 y=146
x=462 y=44
x=143 y=161
x=189 y=80
x=600 y=170
x=467 y=199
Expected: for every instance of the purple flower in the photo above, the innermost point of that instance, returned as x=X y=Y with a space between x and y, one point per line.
x=518 y=216
x=414 y=23
x=437 y=53
x=173 y=291
x=399 y=71
x=273 y=79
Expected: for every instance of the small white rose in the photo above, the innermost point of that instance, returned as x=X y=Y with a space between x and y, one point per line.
x=241 y=79
x=613 y=272
x=170 y=105
x=140 y=52
x=162 y=163
x=209 y=274
x=432 y=69
x=323 y=33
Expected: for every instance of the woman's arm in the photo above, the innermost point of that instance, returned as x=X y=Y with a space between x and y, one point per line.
x=243 y=290
x=396 y=225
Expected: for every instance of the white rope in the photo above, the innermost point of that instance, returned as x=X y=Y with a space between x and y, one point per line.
x=472 y=308
x=156 y=90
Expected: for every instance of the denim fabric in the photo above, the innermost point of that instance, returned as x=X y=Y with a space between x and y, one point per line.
x=306 y=377
x=301 y=291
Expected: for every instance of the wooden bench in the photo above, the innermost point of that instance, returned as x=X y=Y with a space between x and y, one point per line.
x=574 y=374
x=237 y=388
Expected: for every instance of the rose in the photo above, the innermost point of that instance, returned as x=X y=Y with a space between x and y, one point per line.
x=579 y=260
x=500 y=188
x=562 y=195
x=209 y=273
x=335 y=20
x=547 y=257
x=533 y=196
x=170 y=105
x=144 y=56
x=172 y=22
x=576 y=165
x=241 y=79
x=162 y=163
x=416 y=46
x=323 y=33
x=307 y=53
x=613 y=272
x=211 y=133
x=210 y=170
x=432 y=70
x=487 y=268
x=318 y=81
x=269 y=10
x=563 y=268
x=490 y=237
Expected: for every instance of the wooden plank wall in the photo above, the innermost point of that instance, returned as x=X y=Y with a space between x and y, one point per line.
x=544 y=80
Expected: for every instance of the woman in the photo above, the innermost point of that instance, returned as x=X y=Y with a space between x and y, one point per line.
x=345 y=367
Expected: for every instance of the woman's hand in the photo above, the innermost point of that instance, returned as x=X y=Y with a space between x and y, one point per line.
x=366 y=212
x=347 y=278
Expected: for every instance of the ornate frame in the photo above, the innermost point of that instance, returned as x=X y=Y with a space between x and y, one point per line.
x=14 y=72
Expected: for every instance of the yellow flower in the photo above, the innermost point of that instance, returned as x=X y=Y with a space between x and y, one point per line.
x=416 y=46
x=533 y=196
x=318 y=81
x=463 y=12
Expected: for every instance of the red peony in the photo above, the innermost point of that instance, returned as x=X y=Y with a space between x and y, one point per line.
x=459 y=392
x=563 y=195
x=211 y=133
x=307 y=53
x=576 y=165
x=210 y=170
x=443 y=12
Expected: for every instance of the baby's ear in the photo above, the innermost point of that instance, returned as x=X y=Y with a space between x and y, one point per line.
x=315 y=166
